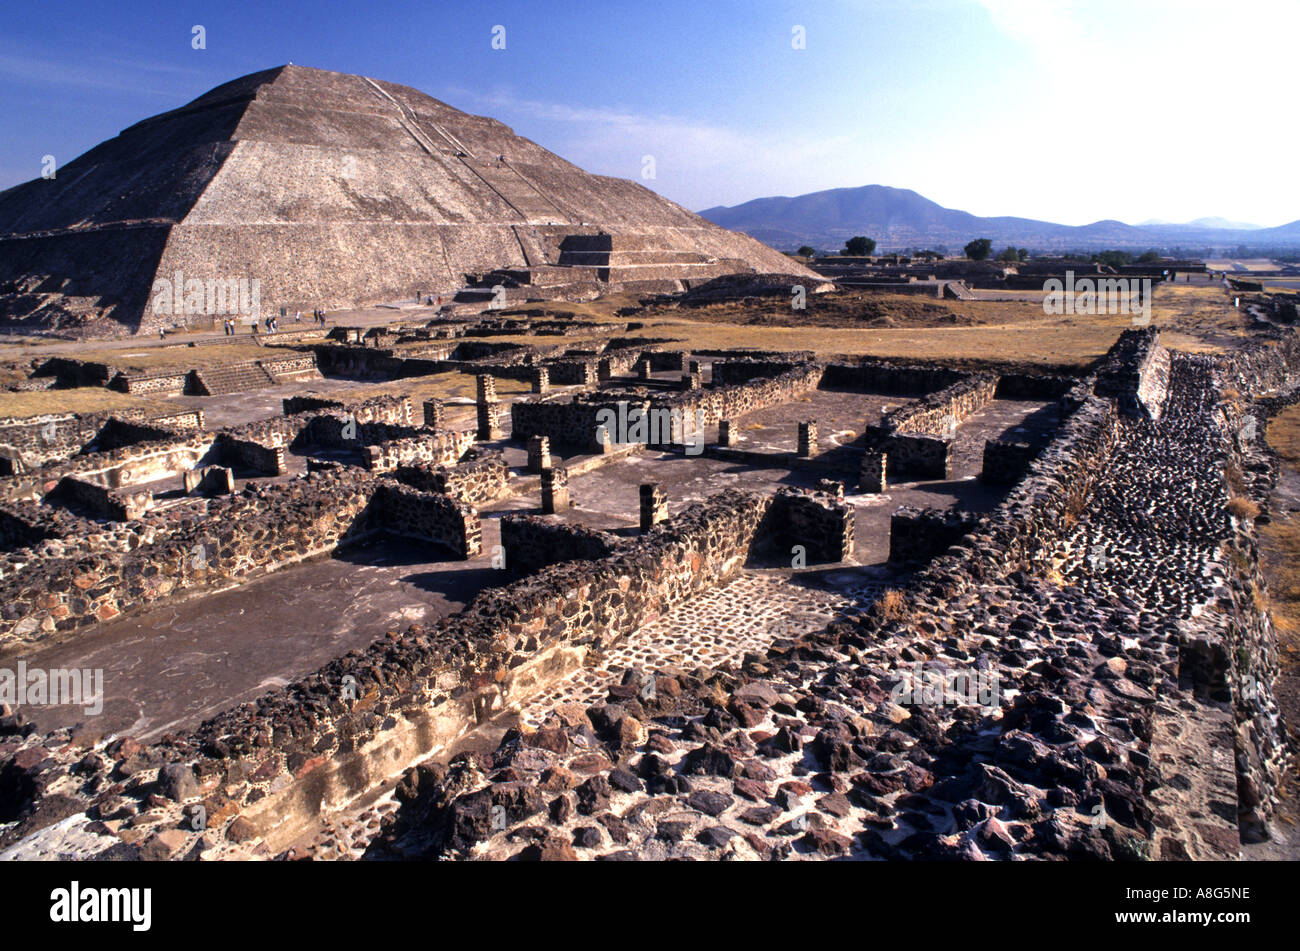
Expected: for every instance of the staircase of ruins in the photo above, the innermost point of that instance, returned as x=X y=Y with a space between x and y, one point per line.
x=515 y=190
x=232 y=378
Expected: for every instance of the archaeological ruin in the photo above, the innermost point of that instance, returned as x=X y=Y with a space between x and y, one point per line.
x=300 y=188
x=377 y=485
x=633 y=599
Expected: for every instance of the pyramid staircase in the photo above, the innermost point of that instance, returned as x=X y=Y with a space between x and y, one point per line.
x=231 y=378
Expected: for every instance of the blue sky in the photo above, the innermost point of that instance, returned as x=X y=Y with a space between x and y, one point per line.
x=1068 y=111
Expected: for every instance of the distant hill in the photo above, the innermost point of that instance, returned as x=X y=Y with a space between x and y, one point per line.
x=899 y=217
x=1212 y=223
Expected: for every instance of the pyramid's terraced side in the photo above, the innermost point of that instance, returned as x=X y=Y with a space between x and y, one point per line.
x=330 y=189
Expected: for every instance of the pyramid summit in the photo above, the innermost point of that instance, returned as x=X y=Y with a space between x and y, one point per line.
x=335 y=190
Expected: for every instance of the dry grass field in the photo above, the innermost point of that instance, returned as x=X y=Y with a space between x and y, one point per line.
x=157 y=358
x=84 y=399
x=1195 y=318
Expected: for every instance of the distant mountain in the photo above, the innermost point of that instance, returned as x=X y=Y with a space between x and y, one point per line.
x=1216 y=224
x=899 y=218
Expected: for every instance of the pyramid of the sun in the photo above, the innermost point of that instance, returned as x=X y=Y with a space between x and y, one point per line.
x=334 y=190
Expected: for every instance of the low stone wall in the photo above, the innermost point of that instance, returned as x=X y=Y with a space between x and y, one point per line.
x=666 y=360
x=430 y=516
x=533 y=542
x=1006 y=461
x=243 y=536
x=25 y=523
x=572 y=372
x=136 y=449
x=917 y=535
x=321 y=422
x=74 y=373
x=334 y=430
x=368 y=363
x=889 y=378
x=732 y=372
x=154 y=382
x=1135 y=373
x=129 y=465
x=915 y=457
x=364 y=718
x=53 y=437
x=118 y=433
x=1266 y=364
x=617 y=361
x=428 y=448
x=1043 y=387
x=246 y=454
x=100 y=501
x=937 y=414
x=572 y=420
x=38 y=440
x=293 y=405
x=565 y=420
x=480 y=477
x=811 y=524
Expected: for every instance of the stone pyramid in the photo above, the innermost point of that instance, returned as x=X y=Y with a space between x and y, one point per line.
x=334 y=190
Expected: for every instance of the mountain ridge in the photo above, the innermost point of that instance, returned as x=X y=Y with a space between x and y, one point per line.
x=901 y=217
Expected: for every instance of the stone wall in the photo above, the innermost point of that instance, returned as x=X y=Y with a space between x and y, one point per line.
x=242 y=536
x=246 y=454
x=666 y=360
x=533 y=542
x=917 y=535
x=917 y=457
x=1041 y=387
x=817 y=522
x=731 y=372
x=430 y=516
x=573 y=372
x=39 y=440
x=428 y=448
x=52 y=437
x=481 y=476
x=129 y=465
x=154 y=382
x=1006 y=461
x=939 y=413
x=571 y=420
x=361 y=720
x=1135 y=373
x=102 y=502
x=888 y=378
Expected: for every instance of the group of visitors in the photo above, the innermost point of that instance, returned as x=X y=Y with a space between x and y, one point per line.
x=271 y=323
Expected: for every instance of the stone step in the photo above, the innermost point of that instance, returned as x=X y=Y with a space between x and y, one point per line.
x=221 y=381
